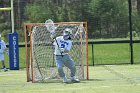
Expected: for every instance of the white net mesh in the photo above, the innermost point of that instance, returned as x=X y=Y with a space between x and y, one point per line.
x=42 y=66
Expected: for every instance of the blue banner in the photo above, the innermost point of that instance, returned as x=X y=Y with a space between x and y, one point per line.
x=13 y=51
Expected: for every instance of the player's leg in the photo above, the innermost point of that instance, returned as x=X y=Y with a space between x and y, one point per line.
x=68 y=62
x=4 y=67
x=71 y=65
x=2 y=60
x=59 y=64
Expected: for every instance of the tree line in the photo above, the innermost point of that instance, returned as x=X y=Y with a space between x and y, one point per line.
x=106 y=18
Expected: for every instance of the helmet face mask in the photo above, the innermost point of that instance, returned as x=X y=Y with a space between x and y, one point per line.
x=67 y=35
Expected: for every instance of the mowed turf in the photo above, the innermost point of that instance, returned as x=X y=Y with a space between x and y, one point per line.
x=102 y=79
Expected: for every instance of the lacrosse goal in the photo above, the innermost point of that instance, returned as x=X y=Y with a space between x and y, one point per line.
x=40 y=58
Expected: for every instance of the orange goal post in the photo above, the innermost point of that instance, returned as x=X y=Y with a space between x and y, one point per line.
x=40 y=58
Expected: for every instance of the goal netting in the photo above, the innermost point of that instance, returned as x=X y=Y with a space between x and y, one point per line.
x=40 y=58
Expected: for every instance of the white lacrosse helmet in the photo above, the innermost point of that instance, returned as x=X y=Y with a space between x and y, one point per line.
x=68 y=31
x=67 y=34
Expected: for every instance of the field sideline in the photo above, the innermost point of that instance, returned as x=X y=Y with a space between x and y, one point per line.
x=102 y=79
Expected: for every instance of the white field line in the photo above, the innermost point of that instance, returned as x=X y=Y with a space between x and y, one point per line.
x=77 y=88
x=10 y=73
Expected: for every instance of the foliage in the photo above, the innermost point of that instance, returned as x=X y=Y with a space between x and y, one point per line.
x=39 y=11
x=106 y=19
x=136 y=21
x=111 y=18
x=5 y=28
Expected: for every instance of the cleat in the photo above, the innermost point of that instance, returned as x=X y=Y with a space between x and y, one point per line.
x=65 y=80
x=5 y=69
x=75 y=81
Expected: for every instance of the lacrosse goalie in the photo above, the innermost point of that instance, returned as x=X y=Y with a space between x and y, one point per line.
x=2 y=49
x=63 y=45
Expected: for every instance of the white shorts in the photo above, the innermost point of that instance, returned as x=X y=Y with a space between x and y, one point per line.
x=1 y=57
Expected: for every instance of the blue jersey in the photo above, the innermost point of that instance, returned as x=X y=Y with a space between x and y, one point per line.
x=66 y=44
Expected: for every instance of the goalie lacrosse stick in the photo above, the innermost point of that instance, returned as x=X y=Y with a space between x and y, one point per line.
x=51 y=28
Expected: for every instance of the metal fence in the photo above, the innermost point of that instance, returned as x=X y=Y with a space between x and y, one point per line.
x=114 y=52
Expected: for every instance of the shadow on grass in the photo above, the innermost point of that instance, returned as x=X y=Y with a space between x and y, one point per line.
x=91 y=80
x=94 y=80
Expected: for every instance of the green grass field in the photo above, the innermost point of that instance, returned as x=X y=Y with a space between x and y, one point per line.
x=102 y=79
x=113 y=53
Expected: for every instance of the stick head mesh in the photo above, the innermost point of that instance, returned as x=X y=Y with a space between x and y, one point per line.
x=50 y=25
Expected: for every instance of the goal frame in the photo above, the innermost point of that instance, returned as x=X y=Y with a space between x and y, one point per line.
x=28 y=29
